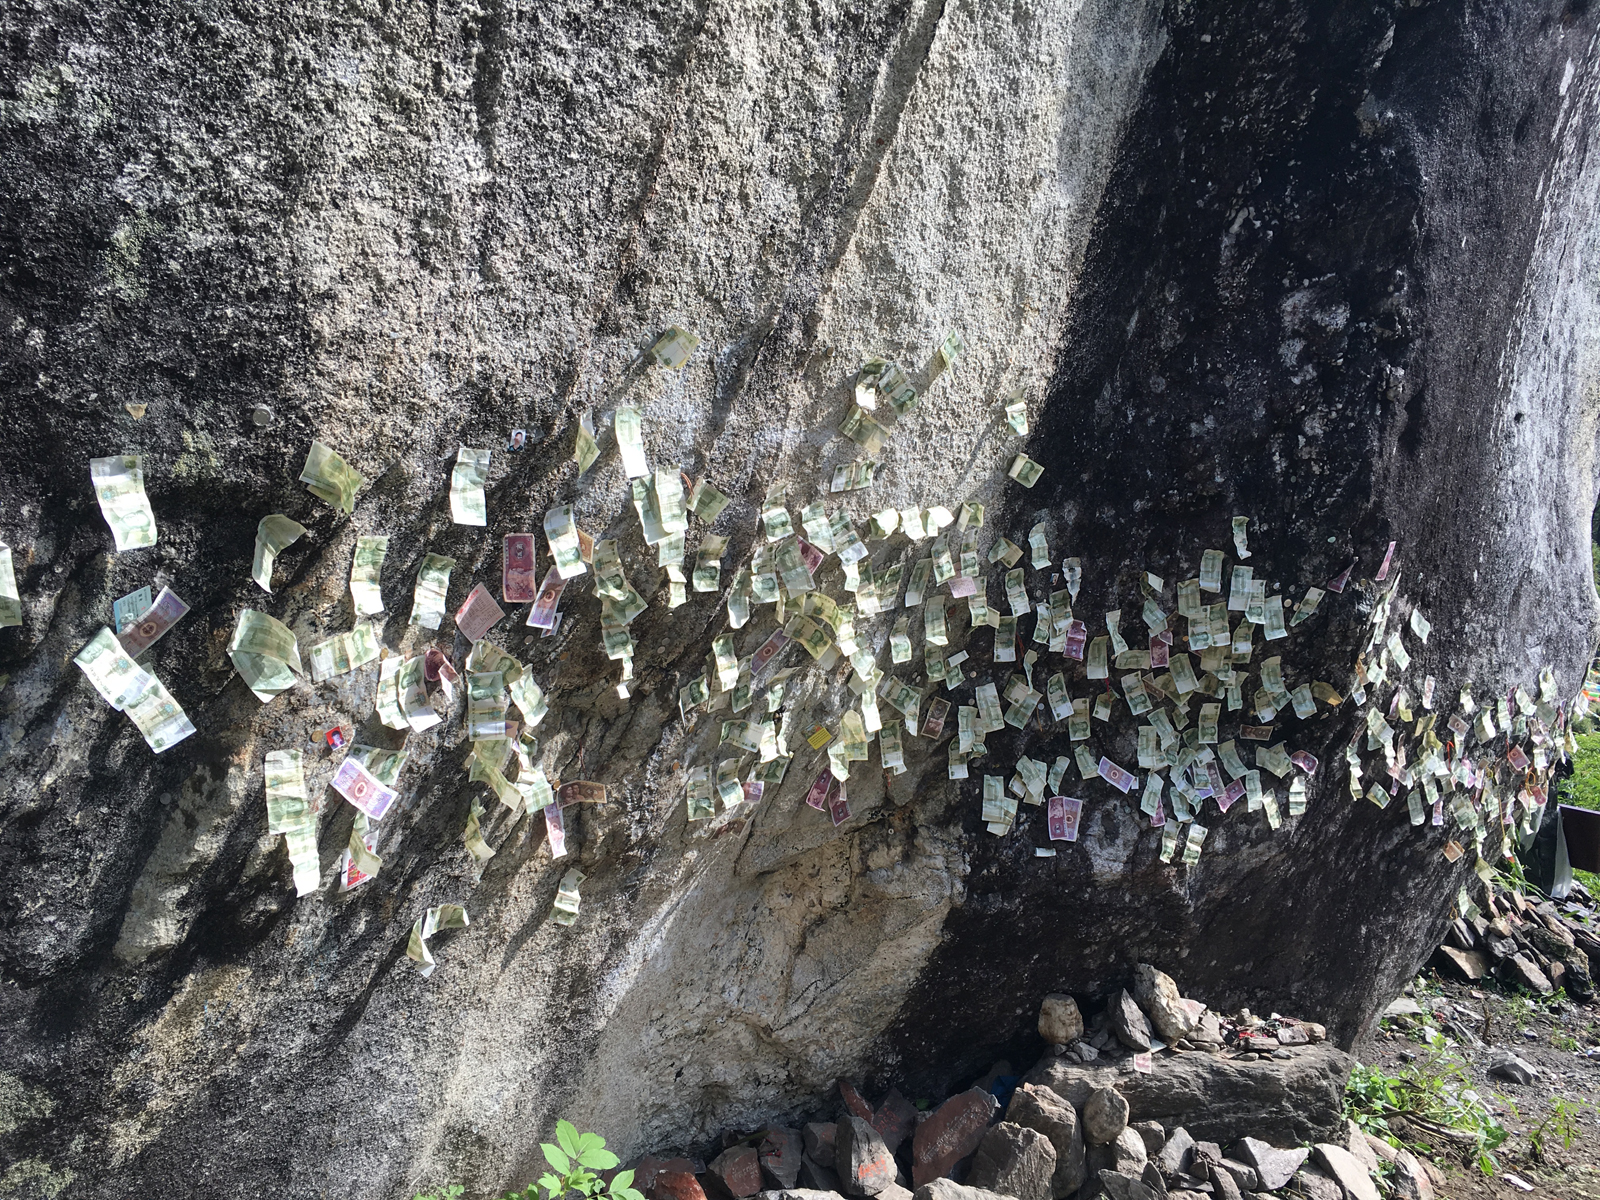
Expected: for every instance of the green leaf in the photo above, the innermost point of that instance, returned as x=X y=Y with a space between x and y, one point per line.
x=551 y=1183
x=621 y=1182
x=600 y=1159
x=555 y=1157
x=567 y=1136
x=626 y=1193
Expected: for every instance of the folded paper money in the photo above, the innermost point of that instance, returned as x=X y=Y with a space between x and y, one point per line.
x=443 y=916
x=119 y=487
x=149 y=626
x=272 y=535
x=265 y=653
x=330 y=478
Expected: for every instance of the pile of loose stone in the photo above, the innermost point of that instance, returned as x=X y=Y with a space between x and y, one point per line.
x=1525 y=943
x=1033 y=1141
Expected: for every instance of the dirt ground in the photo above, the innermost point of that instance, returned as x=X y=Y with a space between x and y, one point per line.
x=1559 y=1038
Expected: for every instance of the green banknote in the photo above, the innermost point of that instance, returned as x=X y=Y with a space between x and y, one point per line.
x=330 y=478
x=471 y=472
x=119 y=486
x=364 y=569
x=428 y=599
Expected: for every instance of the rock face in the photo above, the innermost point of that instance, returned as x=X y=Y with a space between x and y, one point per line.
x=1301 y=266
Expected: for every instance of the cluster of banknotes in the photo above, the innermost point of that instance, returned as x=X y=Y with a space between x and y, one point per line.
x=1204 y=733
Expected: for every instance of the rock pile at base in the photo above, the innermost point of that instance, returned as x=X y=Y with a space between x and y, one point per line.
x=1153 y=1098
x=1538 y=946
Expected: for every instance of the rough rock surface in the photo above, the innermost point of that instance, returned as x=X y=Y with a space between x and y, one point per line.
x=1015 y=1161
x=1157 y=994
x=780 y=1153
x=1105 y=1115
x=1128 y=1022
x=1038 y=1107
x=1320 y=263
x=1274 y=1166
x=949 y=1133
x=860 y=1159
x=1348 y=1170
x=1060 y=1022
x=1290 y=1100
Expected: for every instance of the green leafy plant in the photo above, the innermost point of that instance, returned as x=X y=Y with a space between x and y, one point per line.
x=1429 y=1105
x=1560 y=1122
x=576 y=1159
x=451 y=1192
x=1564 y=1041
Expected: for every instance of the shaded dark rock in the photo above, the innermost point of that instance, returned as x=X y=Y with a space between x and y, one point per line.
x=860 y=1159
x=779 y=1154
x=1014 y=1160
x=1128 y=1022
x=951 y=1133
x=895 y=1119
x=1284 y=1101
x=739 y=1169
x=1037 y=1107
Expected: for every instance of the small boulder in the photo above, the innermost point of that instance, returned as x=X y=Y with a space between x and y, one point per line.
x=1105 y=1115
x=1157 y=994
x=648 y=1167
x=1505 y=1065
x=1128 y=1154
x=815 y=1176
x=1243 y=1174
x=1174 y=1156
x=1315 y=1185
x=1208 y=1033
x=895 y=1119
x=949 y=1189
x=1273 y=1167
x=1129 y=1023
x=1347 y=1170
x=676 y=1185
x=817 y=1139
x=1060 y=1022
x=1153 y=1134
x=1520 y=969
x=1209 y=1151
x=779 y=1155
x=1151 y=1177
x=894 y=1192
x=1014 y=1160
x=854 y=1102
x=860 y=1159
x=1125 y=1187
x=1037 y=1107
x=739 y=1169
x=1356 y=1143
x=951 y=1133
x=1293 y=1035
x=1409 y=1179
x=1222 y=1183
